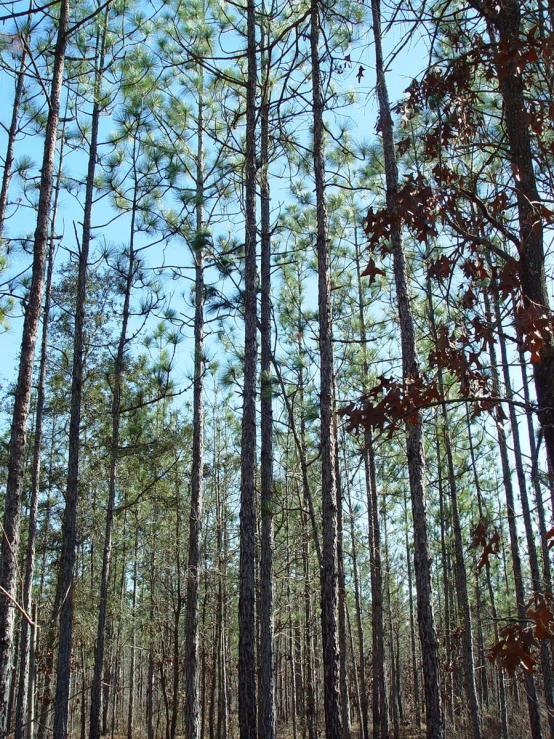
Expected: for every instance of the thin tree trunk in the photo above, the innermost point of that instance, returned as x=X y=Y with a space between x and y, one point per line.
x=413 y=644
x=494 y=613
x=528 y=524
x=415 y=452
x=266 y=718
x=460 y=567
x=311 y=716
x=18 y=441
x=393 y=666
x=329 y=568
x=175 y=703
x=364 y=706
x=96 y=694
x=247 y=587
x=24 y=696
x=380 y=717
x=132 y=661
x=343 y=664
x=530 y=688
x=192 y=726
x=507 y=19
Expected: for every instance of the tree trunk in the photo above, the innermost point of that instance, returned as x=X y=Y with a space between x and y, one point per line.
x=266 y=718
x=96 y=694
x=364 y=707
x=413 y=644
x=531 y=252
x=24 y=696
x=536 y=581
x=343 y=664
x=415 y=452
x=530 y=688
x=192 y=726
x=132 y=661
x=18 y=441
x=329 y=568
x=247 y=588
x=379 y=697
x=494 y=613
x=460 y=567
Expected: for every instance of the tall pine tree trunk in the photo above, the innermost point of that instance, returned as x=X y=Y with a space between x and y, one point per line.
x=415 y=453
x=329 y=568
x=247 y=588
x=506 y=19
x=379 y=697
x=266 y=719
x=94 y=731
x=460 y=567
x=24 y=696
x=192 y=726
x=530 y=687
x=69 y=528
x=18 y=440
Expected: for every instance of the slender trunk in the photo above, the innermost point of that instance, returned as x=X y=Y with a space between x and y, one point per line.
x=546 y=567
x=344 y=694
x=22 y=399
x=266 y=718
x=329 y=568
x=132 y=660
x=247 y=586
x=150 y=730
x=223 y=708
x=494 y=613
x=508 y=22
x=311 y=717
x=96 y=694
x=379 y=696
x=364 y=707
x=24 y=696
x=444 y=517
x=191 y=714
x=69 y=526
x=393 y=666
x=175 y=703
x=530 y=688
x=413 y=644
x=380 y=700
x=460 y=567
x=537 y=584
x=415 y=452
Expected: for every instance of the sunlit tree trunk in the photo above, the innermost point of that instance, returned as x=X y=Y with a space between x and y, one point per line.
x=247 y=588
x=197 y=487
x=18 y=440
x=329 y=567
x=266 y=719
x=414 y=432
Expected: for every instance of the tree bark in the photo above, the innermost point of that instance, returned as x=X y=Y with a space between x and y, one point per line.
x=266 y=689
x=530 y=688
x=329 y=568
x=18 y=441
x=415 y=452
x=192 y=726
x=460 y=567
x=247 y=588
x=507 y=20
